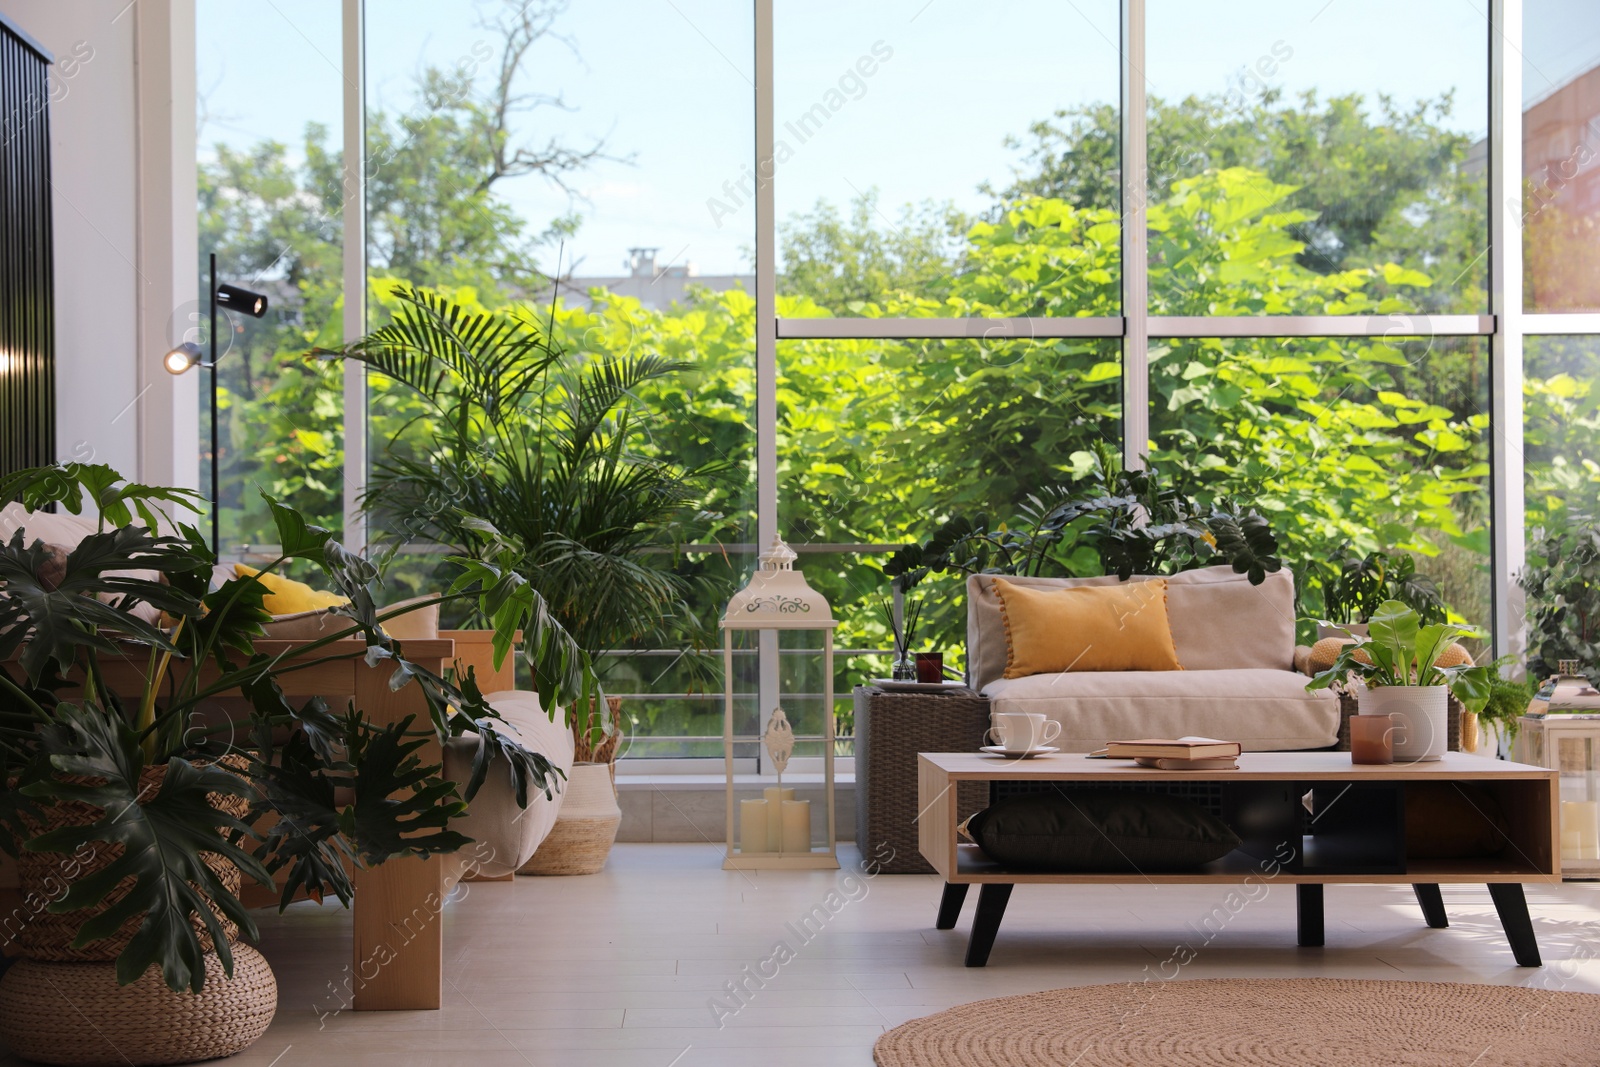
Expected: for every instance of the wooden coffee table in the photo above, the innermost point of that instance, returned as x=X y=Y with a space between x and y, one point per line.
x=1308 y=819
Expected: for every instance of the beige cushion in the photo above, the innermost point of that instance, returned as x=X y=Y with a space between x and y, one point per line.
x=418 y=623
x=505 y=836
x=1219 y=620
x=1264 y=710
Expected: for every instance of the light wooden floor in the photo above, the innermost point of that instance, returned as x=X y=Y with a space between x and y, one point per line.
x=618 y=968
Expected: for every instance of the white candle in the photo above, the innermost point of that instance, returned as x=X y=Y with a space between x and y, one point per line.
x=776 y=795
x=1580 y=830
x=797 y=826
x=753 y=835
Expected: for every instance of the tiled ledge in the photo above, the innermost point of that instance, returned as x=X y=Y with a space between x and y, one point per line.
x=681 y=808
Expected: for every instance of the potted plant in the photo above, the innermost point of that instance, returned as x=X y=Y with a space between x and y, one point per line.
x=166 y=802
x=1563 y=588
x=1398 y=663
x=552 y=448
x=1358 y=585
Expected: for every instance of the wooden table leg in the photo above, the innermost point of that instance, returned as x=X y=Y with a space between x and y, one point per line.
x=1308 y=906
x=1432 y=902
x=992 y=898
x=950 y=905
x=398 y=950
x=1513 y=908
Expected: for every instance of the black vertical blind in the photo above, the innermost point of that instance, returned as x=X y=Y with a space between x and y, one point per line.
x=27 y=282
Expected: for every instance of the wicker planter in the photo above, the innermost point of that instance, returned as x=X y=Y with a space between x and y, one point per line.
x=76 y=1013
x=583 y=834
x=48 y=936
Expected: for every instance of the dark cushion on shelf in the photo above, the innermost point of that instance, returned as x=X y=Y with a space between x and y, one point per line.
x=1453 y=821
x=1100 y=830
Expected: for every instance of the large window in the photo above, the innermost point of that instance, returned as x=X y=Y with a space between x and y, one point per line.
x=1292 y=133
x=1561 y=156
x=272 y=211
x=1255 y=250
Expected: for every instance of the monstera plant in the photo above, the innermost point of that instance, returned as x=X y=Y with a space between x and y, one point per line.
x=345 y=790
x=1118 y=521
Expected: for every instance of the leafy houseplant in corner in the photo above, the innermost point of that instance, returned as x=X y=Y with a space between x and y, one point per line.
x=147 y=809
x=1398 y=664
x=1563 y=589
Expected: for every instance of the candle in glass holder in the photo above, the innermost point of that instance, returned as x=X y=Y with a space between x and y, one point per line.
x=796 y=826
x=1371 y=739
x=753 y=826
x=1580 y=830
x=930 y=667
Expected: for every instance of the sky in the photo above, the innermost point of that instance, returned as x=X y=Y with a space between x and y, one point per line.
x=918 y=96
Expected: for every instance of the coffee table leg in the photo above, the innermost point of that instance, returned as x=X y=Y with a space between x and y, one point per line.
x=1432 y=902
x=1513 y=909
x=950 y=905
x=992 y=898
x=1308 y=905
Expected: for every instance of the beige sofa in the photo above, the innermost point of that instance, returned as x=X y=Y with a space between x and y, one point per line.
x=1236 y=644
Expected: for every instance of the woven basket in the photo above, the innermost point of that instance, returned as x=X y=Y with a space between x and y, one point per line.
x=48 y=936
x=581 y=839
x=891 y=729
x=1453 y=713
x=76 y=1013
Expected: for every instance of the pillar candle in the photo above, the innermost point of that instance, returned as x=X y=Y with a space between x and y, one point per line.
x=776 y=795
x=1580 y=830
x=797 y=825
x=753 y=835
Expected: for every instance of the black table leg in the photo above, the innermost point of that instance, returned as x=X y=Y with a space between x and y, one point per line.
x=1432 y=902
x=1513 y=909
x=992 y=900
x=1308 y=905
x=950 y=905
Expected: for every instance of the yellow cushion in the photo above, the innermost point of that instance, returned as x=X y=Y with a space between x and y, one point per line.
x=1086 y=628
x=285 y=596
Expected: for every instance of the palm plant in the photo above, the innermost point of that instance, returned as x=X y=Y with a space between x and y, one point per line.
x=550 y=447
x=68 y=732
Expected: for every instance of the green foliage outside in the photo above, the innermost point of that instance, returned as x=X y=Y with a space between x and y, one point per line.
x=1373 y=442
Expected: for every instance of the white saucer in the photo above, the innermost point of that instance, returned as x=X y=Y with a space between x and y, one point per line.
x=1019 y=753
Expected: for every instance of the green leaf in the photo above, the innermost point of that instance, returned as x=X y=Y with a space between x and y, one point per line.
x=162 y=836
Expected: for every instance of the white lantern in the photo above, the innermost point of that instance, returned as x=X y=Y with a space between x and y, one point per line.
x=773 y=831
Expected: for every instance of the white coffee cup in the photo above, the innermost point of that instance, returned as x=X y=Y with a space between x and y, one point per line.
x=1023 y=731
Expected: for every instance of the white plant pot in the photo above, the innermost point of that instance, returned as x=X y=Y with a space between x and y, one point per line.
x=1421 y=718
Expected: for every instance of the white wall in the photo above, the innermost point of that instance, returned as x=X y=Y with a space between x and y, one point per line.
x=116 y=285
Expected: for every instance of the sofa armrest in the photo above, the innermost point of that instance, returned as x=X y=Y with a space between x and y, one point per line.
x=1302 y=659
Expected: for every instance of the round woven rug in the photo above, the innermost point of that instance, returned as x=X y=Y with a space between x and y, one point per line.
x=1326 y=1022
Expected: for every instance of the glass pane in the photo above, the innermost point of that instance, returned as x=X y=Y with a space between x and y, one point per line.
x=1561 y=433
x=1560 y=148
x=1367 y=442
x=571 y=193
x=906 y=187
x=879 y=442
x=271 y=208
x=1304 y=163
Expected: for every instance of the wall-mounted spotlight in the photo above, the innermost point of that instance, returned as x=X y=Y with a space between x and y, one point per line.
x=181 y=358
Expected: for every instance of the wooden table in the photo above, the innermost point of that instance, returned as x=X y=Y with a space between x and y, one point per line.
x=1355 y=835
x=397 y=954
